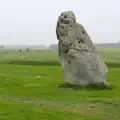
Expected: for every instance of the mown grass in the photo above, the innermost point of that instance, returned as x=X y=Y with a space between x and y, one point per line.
x=40 y=56
x=29 y=91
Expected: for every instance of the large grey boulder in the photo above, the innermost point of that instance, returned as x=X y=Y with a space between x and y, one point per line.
x=79 y=58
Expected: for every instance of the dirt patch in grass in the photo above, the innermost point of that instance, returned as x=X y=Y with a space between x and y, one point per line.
x=91 y=109
x=87 y=108
x=105 y=108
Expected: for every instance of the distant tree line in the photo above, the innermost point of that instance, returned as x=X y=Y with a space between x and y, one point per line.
x=101 y=45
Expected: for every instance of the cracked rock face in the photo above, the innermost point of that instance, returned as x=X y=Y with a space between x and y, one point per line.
x=79 y=58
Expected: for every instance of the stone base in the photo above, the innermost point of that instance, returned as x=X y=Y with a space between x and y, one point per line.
x=86 y=87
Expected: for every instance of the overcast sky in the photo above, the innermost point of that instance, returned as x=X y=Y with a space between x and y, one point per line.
x=34 y=21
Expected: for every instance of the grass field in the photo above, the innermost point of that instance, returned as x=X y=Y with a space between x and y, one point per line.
x=29 y=89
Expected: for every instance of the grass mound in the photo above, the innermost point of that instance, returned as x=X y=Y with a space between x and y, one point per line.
x=34 y=63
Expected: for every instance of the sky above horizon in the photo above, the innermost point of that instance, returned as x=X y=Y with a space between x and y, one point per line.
x=33 y=22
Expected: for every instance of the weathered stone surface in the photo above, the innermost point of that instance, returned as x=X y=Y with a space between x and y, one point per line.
x=79 y=58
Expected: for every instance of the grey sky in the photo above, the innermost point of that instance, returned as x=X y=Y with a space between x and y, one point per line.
x=34 y=21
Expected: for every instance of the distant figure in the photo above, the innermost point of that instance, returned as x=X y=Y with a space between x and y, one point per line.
x=24 y=50
x=20 y=50
x=27 y=50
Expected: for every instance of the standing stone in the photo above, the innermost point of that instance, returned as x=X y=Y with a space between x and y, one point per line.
x=79 y=58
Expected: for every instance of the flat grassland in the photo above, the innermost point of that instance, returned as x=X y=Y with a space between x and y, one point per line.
x=29 y=89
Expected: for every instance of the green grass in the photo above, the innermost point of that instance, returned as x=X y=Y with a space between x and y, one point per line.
x=50 y=57
x=29 y=91
x=33 y=55
x=26 y=96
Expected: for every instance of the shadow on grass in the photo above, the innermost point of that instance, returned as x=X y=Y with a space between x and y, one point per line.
x=113 y=65
x=87 y=87
x=35 y=63
x=49 y=63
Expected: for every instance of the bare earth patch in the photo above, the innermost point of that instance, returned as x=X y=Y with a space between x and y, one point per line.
x=89 y=108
